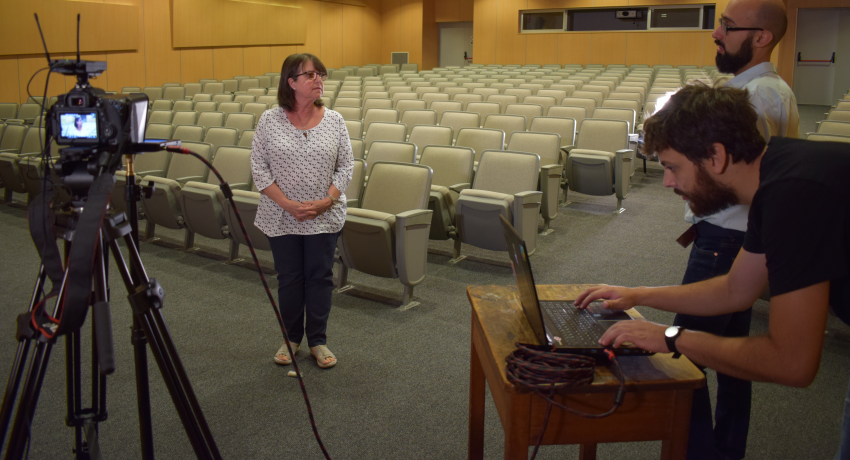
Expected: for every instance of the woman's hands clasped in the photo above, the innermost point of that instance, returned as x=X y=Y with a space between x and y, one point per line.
x=308 y=210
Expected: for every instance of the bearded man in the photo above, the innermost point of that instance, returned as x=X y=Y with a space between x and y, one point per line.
x=747 y=33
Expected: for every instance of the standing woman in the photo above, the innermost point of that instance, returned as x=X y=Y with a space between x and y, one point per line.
x=302 y=161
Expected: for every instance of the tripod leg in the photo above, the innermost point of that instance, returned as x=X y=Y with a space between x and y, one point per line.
x=20 y=436
x=142 y=298
x=17 y=371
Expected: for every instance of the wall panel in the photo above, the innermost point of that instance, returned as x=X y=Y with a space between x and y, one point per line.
x=608 y=48
x=453 y=10
x=541 y=49
x=209 y=23
x=331 y=34
x=510 y=44
x=162 y=62
x=390 y=29
x=279 y=54
x=410 y=30
x=102 y=27
x=312 y=40
x=27 y=67
x=127 y=68
x=574 y=48
x=195 y=64
x=352 y=35
x=430 y=37
x=257 y=60
x=709 y=50
x=8 y=74
x=683 y=48
x=227 y=63
x=644 y=48
x=484 y=32
x=372 y=39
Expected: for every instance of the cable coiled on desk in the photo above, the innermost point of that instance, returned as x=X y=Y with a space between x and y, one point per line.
x=546 y=372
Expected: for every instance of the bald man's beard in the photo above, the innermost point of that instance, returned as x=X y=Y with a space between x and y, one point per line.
x=731 y=63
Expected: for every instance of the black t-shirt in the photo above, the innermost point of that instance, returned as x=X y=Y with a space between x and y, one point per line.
x=799 y=218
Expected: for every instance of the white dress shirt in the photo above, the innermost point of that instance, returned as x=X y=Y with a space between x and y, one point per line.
x=776 y=108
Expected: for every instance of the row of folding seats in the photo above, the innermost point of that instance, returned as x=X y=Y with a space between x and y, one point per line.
x=225 y=113
x=20 y=159
x=835 y=127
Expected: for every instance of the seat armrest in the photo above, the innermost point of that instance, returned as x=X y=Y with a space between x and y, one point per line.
x=241 y=186
x=459 y=187
x=411 y=245
x=413 y=217
x=550 y=170
x=622 y=172
x=525 y=211
x=8 y=150
x=353 y=203
x=183 y=180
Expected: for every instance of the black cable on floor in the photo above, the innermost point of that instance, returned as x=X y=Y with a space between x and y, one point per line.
x=228 y=193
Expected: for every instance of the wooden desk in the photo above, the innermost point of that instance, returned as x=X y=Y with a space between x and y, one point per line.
x=657 y=405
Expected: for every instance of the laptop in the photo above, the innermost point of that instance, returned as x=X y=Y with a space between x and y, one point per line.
x=560 y=324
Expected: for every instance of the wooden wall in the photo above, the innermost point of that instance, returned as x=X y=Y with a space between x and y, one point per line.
x=497 y=39
x=339 y=34
x=410 y=25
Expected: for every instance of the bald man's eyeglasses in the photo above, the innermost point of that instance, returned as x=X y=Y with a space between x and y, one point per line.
x=726 y=29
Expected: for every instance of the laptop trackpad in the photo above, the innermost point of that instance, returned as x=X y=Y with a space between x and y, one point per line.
x=606 y=324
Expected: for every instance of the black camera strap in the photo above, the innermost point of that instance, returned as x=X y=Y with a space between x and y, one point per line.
x=41 y=230
x=80 y=258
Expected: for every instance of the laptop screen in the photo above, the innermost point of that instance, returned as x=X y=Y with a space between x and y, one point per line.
x=525 y=281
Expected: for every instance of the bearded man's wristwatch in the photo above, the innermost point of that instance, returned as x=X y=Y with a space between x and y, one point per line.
x=670 y=335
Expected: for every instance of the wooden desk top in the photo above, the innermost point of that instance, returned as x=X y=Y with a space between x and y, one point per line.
x=502 y=323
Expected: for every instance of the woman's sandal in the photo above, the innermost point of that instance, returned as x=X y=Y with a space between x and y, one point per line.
x=321 y=353
x=282 y=356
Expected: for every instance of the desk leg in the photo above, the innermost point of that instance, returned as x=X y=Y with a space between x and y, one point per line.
x=587 y=452
x=476 y=406
x=677 y=446
x=518 y=430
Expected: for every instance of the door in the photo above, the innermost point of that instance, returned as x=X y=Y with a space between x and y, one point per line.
x=817 y=40
x=455 y=40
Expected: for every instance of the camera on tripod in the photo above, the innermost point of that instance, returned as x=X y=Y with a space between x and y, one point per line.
x=96 y=127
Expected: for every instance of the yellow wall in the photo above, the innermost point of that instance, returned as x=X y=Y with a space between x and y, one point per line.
x=340 y=34
x=497 y=39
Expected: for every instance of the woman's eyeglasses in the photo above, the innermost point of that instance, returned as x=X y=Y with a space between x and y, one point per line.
x=312 y=74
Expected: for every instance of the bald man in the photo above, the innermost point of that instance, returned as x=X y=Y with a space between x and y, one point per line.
x=748 y=31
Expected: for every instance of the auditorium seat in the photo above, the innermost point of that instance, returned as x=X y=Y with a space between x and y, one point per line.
x=404 y=105
x=458 y=120
x=452 y=170
x=504 y=184
x=160 y=116
x=241 y=121
x=174 y=93
x=480 y=139
x=153 y=92
x=162 y=205
x=388 y=235
x=191 y=133
x=183 y=106
x=157 y=130
x=203 y=203
x=162 y=104
x=382 y=131
x=527 y=110
x=507 y=123
x=220 y=136
x=547 y=146
x=418 y=117
x=424 y=135
x=599 y=163
x=184 y=118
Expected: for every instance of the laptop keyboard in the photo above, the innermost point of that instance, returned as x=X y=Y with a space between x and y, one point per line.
x=577 y=328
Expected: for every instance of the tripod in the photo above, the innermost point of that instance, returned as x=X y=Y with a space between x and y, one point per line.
x=149 y=327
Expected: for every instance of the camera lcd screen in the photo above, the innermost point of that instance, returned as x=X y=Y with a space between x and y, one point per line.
x=78 y=125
